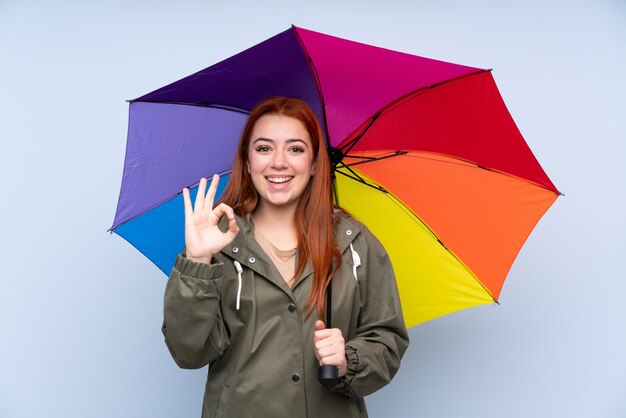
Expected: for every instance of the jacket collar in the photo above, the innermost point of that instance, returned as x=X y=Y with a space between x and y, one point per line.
x=249 y=253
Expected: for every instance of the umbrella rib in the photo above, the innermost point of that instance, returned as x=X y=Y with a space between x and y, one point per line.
x=421 y=223
x=366 y=159
x=417 y=220
x=318 y=83
x=460 y=161
x=348 y=146
x=167 y=199
x=355 y=176
x=465 y=162
x=400 y=100
x=198 y=104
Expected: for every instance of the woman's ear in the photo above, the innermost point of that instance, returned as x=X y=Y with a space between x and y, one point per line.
x=248 y=166
x=313 y=168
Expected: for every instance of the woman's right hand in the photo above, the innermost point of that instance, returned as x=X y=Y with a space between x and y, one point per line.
x=203 y=238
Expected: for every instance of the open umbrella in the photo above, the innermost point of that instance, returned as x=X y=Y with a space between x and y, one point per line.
x=426 y=155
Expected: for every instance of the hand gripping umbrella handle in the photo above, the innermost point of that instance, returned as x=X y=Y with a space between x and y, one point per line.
x=328 y=374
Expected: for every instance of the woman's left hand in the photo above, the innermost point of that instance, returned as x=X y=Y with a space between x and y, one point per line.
x=330 y=347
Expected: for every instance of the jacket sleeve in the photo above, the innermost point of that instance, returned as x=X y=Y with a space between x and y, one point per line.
x=193 y=327
x=381 y=336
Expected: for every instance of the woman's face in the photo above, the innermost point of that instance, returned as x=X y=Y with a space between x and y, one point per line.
x=280 y=160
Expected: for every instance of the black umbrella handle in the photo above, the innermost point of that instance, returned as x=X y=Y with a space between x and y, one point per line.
x=328 y=374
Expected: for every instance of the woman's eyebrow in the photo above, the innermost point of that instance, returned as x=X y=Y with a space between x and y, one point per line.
x=263 y=139
x=290 y=140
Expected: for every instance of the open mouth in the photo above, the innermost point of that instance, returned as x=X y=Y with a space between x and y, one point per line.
x=279 y=180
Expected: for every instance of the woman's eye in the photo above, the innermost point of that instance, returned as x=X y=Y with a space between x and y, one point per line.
x=262 y=148
x=297 y=149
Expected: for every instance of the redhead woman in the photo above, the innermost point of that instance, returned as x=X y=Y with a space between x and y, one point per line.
x=247 y=296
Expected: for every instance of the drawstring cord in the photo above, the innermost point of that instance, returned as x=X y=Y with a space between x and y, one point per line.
x=239 y=271
x=356 y=261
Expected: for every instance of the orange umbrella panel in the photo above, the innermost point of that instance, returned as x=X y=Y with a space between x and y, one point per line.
x=452 y=227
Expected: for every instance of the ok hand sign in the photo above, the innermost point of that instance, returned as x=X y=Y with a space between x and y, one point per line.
x=203 y=238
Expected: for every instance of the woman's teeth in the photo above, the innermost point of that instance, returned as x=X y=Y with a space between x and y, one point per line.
x=278 y=179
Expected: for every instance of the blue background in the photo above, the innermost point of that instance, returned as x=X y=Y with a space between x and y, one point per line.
x=80 y=310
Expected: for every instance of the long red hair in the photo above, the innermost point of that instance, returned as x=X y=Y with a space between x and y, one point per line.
x=314 y=212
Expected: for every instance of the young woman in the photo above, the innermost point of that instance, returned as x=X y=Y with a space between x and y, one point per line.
x=247 y=296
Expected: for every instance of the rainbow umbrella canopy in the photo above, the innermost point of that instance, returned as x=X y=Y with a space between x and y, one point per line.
x=426 y=155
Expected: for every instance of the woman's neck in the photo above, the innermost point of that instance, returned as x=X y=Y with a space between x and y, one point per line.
x=278 y=216
x=278 y=225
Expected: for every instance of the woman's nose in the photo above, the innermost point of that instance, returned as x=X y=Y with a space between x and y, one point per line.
x=279 y=160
